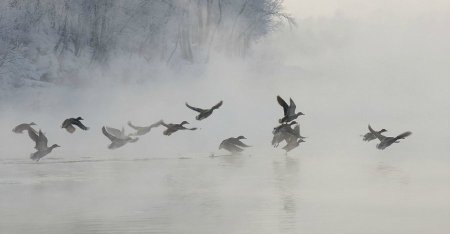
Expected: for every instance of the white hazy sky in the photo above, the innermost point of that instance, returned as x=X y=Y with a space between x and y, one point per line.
x=361 y=8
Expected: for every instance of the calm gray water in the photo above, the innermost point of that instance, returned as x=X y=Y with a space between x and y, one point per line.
x=229 y=194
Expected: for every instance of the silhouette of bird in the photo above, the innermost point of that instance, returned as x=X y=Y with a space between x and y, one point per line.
x=171 y=128
x=370 y=136
x=285 y=132
x=233 y=144
x=288 y=110
x=68 y=124
x=387 y=141
x=41 y=145
x=117 y=137
x=22 y=127
x=204 y=113
x=143 y=130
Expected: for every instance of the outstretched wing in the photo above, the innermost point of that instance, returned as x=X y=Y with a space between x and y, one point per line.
x=110 y=136
x=41 y=143
x=194 y=108
x=80 y=125
x=70 y=128
x=33 y=134
x=133 y=126
x=378 y=135
x=292 y=107
x=157 y=124
x=233 y=148
x=115 y=132
x=403 y=135
x=283 y=104
x=217 y=105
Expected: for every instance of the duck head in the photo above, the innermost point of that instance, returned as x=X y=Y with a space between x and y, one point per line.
x=383 y=130
x=184 y=122
x=241 y=137
x=79 y=118
x=299 y=113
x=55 y=146
x=32 y=123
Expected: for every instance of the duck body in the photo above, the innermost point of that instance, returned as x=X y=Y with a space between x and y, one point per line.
x=204 y=113
x=172 y=128
x=69 y=123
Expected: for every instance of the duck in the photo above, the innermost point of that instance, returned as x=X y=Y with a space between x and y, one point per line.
x=284 y=132
x=387 y=141
x=68 y=124
x=117 y=137
x=292 y=144
x=289 y=110
x=41 y=145
x=204 y=113
x=370 y=136
x=234 y=144
x=171 y=128
x=23 y=127
x=143 y=130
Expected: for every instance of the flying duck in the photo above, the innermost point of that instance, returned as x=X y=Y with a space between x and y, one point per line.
x=68 y=124
x=292 y=143
x=22 y=127
x=117 y=137
x=370 y=136
x=143 y=130
x=284 y=132
x=204 y=113
x=41 y=145
x=233 y=144
x=387 y=141
x=289 y=110
x=171 y=128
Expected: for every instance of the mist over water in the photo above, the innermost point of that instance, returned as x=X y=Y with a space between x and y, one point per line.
x=344 y=70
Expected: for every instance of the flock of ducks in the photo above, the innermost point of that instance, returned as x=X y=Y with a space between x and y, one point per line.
x=288 y=131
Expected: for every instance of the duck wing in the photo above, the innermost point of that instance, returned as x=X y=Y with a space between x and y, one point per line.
x=157 y=124
x=195 y=108
x=110 y=136
x=133 y=126
x=33 y=134
x=377 y=134
x=292 y=107
x=217 y=105
x=114 y=132
x=80 y=124
x=403 y=135
x=283 y=104
x=233 y=148
x=21 y=127
x=69 y=127
x=241 y=144
x=42 y=141
x=164 y=124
